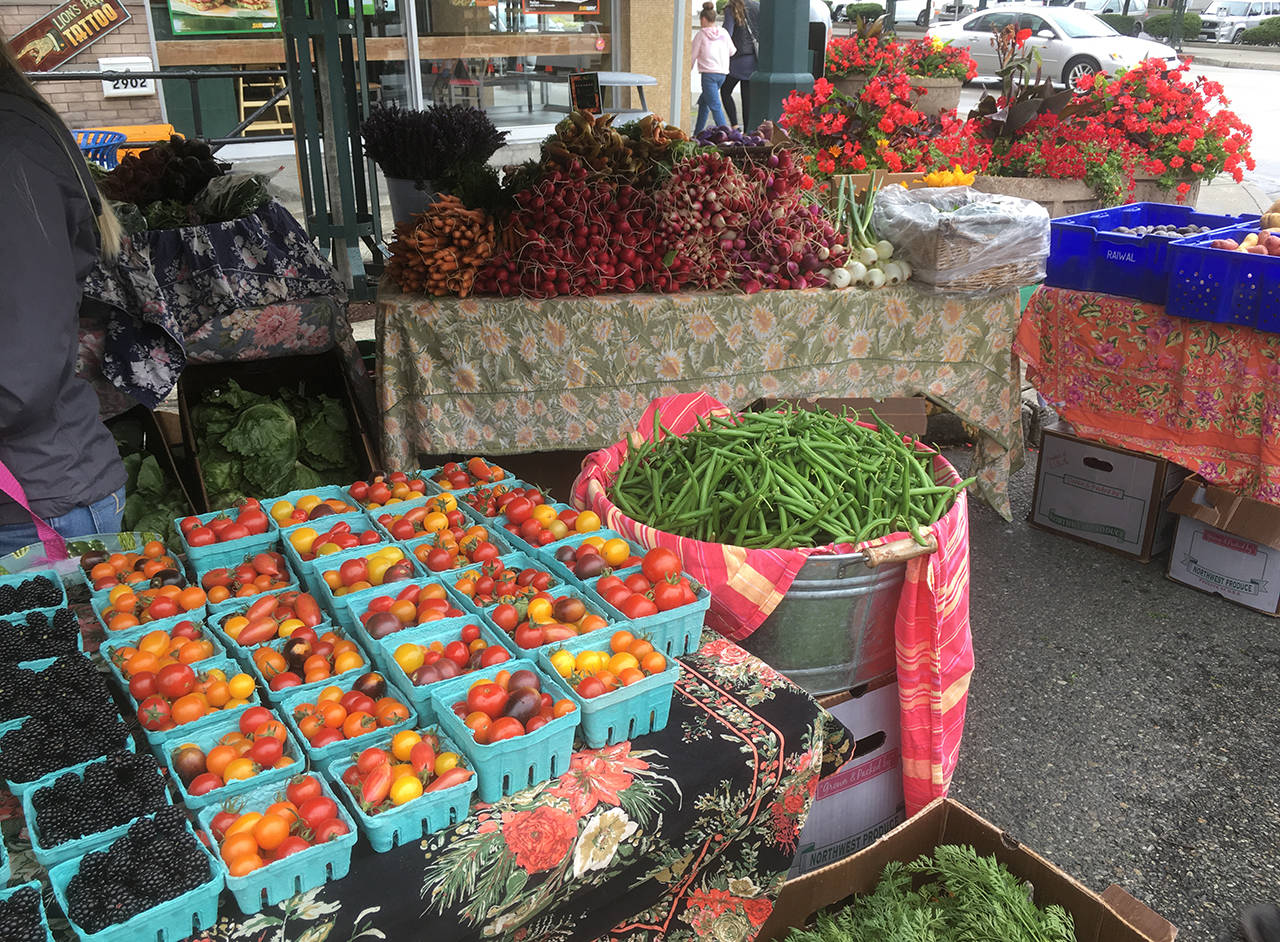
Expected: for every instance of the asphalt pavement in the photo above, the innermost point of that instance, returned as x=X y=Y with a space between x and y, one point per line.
x=1122 y=725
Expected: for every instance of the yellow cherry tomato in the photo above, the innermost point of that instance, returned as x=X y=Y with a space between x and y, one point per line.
x=615 y=551
x=241 y=686
x=403 y=742
x=544 y=514
x=308 y=503
x=587 y=521
x=446 y=761
x=540 y=612
x=409 y=656
x=281 y=510
x=405 y=789
x=621 y=662
x=563 y=662
x=247 y=820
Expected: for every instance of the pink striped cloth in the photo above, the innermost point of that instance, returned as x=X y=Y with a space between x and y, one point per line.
x=934 y=647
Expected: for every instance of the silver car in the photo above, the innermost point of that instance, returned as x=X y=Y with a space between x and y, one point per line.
x=1072 y=43
x=905 y=11
x=1226 y=20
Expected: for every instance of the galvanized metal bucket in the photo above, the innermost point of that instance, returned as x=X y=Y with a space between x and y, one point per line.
x=834 y=629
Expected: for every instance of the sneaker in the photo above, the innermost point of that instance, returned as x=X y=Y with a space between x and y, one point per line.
x=1261 y=924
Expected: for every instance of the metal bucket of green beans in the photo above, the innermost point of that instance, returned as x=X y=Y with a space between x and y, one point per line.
x=793 y=478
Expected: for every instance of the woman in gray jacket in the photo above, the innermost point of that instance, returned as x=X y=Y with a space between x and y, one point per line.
x=53 y=226
x=742 y=22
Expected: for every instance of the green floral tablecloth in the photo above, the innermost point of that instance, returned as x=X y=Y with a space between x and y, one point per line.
x=502 y=376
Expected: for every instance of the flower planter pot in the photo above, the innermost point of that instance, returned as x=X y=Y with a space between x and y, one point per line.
x=409 y=197
x=941 y=93
x=1148 y=190
x=1059 y=197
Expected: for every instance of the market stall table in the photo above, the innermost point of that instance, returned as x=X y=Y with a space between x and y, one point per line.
x=682 y=834
x=501 y=376
x=1201 y=394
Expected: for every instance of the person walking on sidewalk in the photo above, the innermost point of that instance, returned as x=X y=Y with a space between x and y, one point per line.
x=712 y=48
x=742 y=23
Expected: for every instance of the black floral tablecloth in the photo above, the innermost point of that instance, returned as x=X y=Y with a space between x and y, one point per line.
x=683 y=834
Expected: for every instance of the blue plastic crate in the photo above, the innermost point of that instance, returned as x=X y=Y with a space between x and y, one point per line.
x=235 y=649
x=339 y=606
x=196 y=615
x=306 y=568
x=207 y=738
x=124 y=639
x=508 y=766
x=282 y=879
x=49 y=856
x=170 y=921
x=18 y=789
x=275 y=697
x=514 y=560
x=430 y=812
x=360 y=606
x=625 y=712
x=1208 y=284
x=323 y=755
x=444 y=631
x=593 y=607
x=216 y=555
x=675 y=632
x=34 y=884
x=51 y=574
x=160 y=740
x=1086 y=254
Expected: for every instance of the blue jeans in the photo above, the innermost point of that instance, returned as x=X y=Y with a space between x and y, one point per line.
x=102 y=516
x=709 y=100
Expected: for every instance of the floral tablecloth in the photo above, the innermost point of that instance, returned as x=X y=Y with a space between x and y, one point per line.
x=684 y=834
x=1203 y=395
x=310 y=325
x=499 y=376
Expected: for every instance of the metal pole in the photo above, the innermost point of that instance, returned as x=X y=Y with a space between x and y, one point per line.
x=196 y=121
x=678 y=33
x=783 y=63
x=1175 y=26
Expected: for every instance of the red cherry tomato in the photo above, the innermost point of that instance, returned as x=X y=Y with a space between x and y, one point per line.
x=505 y=727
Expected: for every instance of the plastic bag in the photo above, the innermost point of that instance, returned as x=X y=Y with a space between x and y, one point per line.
x=232 y=196
x=960 y=239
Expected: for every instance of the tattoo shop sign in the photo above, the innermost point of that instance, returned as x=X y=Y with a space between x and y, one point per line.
x=65 y=32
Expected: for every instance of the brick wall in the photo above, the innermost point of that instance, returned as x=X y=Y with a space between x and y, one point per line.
x=81 y=103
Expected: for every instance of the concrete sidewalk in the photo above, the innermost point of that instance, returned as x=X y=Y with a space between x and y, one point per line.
x=1224 y=56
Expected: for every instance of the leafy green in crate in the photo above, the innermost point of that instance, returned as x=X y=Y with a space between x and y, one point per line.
x=153 y=499
x=255 y=445
x=954 y=896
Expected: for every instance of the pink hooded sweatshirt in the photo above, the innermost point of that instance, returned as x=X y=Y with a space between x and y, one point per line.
x=712 y=48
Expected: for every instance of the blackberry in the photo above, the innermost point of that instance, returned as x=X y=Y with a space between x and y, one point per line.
x=115 y=790
x=20 y=919
x=8 y=599
x=40 y=592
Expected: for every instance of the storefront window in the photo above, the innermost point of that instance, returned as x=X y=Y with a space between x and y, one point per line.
x=511 y=62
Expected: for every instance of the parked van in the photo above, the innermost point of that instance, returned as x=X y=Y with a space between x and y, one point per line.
x=1225 y=21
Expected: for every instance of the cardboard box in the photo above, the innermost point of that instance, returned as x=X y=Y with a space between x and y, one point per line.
x=862 y=800
x=905 y=413
x=309 y=374
x=1115 y=916
x=1227 y=545
x=1111 y=497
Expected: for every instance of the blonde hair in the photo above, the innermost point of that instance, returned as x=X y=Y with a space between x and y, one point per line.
x=13 y=79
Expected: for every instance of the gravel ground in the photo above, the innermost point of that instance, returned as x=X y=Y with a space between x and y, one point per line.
x=1122 y=725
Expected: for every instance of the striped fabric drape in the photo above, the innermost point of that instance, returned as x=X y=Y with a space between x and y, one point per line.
x=934 y=646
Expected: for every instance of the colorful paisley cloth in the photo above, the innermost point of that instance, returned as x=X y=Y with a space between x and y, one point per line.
x=1203 y=395
x=684 y=834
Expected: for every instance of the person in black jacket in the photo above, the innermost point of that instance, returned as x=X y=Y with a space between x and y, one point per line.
x=742 y=22
x=53 y=226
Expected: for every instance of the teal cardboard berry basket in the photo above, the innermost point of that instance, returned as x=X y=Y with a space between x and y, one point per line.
x=414 y=820
x=190 y=913
x=305 y=870
x=319 y=756
x=276 y=697
x=34 y=885
x=209 y=737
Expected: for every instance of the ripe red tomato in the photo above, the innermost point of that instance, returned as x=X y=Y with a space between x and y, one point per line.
x=528 y=637
x=153 y=713
x=494 y=654
x=292 y=844
x=519 y=509
x=253 y=718
x=535 y=723
x=659 y=563
x=328 y=830
x=253 y=520
x=316 y=810
x=204 y=783
x=200 y=536
x=220 y=822
x=506 y=617
x=302 y=789
x=488 y=698
x=505 y=727
x=234 y=531
x=637 y=607
x=637 y=582
x=668 y=595
x=266 y=751
x=354 y=570
x=457 y=652
x=590 y=687
x=142 y=685
x=439 y=559
x=175 y=680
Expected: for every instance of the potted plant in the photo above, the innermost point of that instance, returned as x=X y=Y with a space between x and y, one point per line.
x=424 y=152
x=936 y=69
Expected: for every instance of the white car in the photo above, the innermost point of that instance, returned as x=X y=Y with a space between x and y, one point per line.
x=1227 y=20
x=1071 y=42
